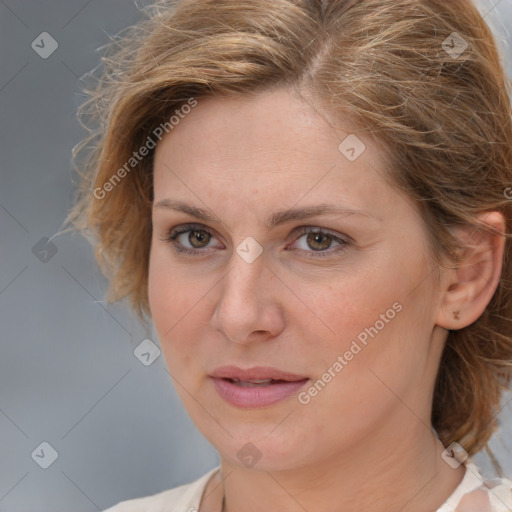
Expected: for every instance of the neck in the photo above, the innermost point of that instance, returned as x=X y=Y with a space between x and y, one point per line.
x=411 y=476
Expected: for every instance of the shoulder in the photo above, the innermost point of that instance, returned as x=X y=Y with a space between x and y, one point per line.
x=475 y=491
x=184 y=498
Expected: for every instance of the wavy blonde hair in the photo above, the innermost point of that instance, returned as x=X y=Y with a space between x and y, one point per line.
x=445 y=120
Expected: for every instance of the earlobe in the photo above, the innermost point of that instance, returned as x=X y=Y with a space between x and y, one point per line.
x=468 y=288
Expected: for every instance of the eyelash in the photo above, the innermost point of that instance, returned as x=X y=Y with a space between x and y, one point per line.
x=172 y=235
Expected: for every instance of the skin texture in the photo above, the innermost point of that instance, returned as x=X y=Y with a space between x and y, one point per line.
x=364 y=442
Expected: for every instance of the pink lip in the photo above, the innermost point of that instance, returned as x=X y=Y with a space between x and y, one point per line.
x=288 y=384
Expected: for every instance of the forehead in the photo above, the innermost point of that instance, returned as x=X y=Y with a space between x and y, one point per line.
x=284 y=125
x=266 y=148
x=275 y=119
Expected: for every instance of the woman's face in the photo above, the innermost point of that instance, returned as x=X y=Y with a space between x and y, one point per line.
x=281 y=255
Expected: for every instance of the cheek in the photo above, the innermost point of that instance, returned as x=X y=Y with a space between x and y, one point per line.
x=159 y=290
x=357 y=302
x=167 y=298
x=375 y=324
x=383 y=337
x=177 y=303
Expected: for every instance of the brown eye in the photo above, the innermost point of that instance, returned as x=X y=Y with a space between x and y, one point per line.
x=191 y=239
x=319 y=241
x=198 y=238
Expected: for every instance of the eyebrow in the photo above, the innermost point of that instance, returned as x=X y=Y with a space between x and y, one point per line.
x=281 y=217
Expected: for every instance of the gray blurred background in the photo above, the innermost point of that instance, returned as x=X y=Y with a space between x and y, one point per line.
x=112 y=427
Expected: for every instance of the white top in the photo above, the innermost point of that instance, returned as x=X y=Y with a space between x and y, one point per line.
x=473 y=491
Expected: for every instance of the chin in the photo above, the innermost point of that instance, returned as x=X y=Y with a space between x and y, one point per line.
x=262 y=446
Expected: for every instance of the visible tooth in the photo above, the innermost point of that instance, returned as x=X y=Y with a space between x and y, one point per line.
x=252 y=384
x=260 y=381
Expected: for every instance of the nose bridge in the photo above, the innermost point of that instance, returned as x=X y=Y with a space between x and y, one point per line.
x=246 y=303
x=246 y=265
x=243 y=281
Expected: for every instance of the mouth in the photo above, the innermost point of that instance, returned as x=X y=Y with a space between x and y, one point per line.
x=256 y=382
x=257 y=386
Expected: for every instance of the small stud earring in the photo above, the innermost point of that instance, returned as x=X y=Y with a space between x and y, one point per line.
x=456 y=315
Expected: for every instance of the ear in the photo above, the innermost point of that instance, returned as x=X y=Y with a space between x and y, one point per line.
x=467 y=289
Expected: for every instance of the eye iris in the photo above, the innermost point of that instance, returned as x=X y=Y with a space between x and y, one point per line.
x=198 y=236
x=318 y=241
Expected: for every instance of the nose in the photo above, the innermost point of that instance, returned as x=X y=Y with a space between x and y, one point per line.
x=249 y=309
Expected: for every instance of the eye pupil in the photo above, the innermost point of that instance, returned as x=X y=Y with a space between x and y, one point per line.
x=318 y=241
x=198 y=236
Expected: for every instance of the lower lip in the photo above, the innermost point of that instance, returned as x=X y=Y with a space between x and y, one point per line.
x=256 y=396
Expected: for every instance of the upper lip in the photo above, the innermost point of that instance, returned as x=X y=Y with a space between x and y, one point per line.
x=254 y=373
